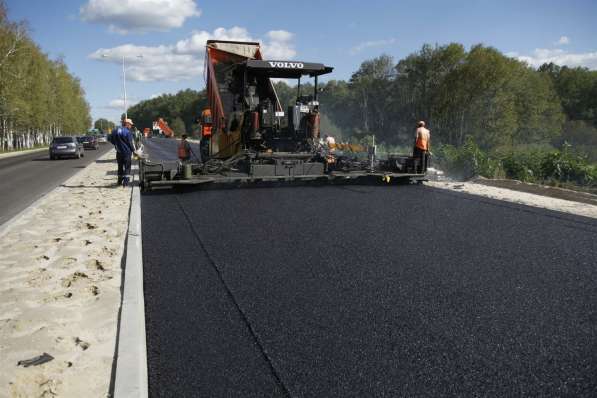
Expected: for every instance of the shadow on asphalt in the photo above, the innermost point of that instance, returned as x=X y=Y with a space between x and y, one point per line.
x=357 y=187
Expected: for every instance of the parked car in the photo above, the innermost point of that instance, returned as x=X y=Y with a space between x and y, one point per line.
x=102 y=139
x=66 y=146
x=89 y=142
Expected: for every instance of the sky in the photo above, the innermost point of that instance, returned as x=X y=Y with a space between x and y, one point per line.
x=163 y=41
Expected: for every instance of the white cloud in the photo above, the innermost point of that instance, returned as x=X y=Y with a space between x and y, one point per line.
x=184 y=59
x=124 y=16
x=158 y=63
x=279 y=35
x=558 y=57
x=118 y=103
x=369 y=44
x=196 y=43
x=279 y=45
x=562 y=41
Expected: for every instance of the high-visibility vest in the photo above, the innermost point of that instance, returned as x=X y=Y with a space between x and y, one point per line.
x=183 y=152
x=422 y=139
x=206 y=122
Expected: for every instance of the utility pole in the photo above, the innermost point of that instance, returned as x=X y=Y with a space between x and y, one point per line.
x=126 y=116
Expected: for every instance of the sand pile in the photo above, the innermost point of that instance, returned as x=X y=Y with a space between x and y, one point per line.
x=60 y=271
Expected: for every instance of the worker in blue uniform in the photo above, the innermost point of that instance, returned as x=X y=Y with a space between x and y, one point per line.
x=122 y=139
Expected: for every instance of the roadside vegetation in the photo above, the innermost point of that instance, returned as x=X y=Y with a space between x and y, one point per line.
x=565 y=167
x=39 y=97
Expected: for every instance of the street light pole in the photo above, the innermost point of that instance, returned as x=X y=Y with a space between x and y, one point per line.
x=124 y=80
x=124 y=87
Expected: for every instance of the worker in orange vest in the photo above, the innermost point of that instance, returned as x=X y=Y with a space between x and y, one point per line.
x=206 y=129
x=421 y=150
x=184 y=149
x=206 y=122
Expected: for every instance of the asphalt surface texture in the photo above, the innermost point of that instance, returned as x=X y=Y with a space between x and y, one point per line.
x=366 y=291
x=26 y=178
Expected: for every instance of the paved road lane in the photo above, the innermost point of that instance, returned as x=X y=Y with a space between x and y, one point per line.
x=26 y=178
x=366 y=291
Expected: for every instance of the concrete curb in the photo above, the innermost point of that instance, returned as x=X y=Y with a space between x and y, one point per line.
x=131 y=362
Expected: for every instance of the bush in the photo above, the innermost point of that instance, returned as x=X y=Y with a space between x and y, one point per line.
x=566 y=166
x=523 y=166
x=467 y=161
x=541 y=165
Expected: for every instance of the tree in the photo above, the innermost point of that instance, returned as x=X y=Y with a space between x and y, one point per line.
x=577 y=90
x=39 y=98
x=480 y=93
x=103 y=125
x=178 y=126
x=286 y=94
x=372 y=92
x=185 y=105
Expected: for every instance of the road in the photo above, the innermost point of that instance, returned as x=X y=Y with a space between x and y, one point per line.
x=26 y=178
x=376 y=291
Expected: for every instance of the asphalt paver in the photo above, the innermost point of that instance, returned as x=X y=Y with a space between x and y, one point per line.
x=366 y=291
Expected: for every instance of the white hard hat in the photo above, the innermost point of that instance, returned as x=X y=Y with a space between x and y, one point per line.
x=129 y=121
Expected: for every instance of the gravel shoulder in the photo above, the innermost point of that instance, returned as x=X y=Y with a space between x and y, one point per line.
x=543 y=190
x=60 y=278
x=527 y=194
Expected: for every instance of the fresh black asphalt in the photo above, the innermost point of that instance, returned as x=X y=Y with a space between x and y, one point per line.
x=26 y=178
x=366 y=291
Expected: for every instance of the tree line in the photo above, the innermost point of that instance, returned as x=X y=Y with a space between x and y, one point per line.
x=39 y=98
x=481 y=93
x=180 y=110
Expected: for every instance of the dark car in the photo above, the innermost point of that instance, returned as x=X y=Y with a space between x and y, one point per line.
x=66 y=146
x=89 y=142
